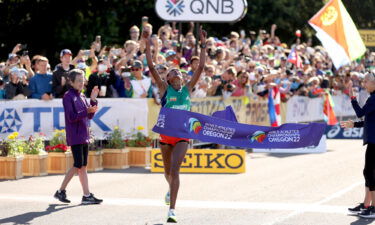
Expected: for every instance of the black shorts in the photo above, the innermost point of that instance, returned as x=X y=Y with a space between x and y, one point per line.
x=369 y=170
x=80 y=154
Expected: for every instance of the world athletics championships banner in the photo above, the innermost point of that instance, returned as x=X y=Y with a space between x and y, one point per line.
x=185 y=124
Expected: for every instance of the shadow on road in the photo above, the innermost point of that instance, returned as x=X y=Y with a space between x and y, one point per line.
x=362 y=221
x=27 y=217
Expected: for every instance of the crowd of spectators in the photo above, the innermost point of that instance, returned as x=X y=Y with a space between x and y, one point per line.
x=241 y=64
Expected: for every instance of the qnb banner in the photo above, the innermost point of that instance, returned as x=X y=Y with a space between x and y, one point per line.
x=201 y=10
x=32 y=116
x=205 y=161
x=184 y=124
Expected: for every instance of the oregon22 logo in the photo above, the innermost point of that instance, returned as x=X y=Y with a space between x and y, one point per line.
x=175 y=7
x=195 y=125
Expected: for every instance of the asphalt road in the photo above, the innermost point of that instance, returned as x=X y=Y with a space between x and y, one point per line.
x=277 y=189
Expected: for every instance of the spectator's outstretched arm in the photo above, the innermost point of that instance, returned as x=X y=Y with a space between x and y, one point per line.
x=162 y=85
x=202 y=61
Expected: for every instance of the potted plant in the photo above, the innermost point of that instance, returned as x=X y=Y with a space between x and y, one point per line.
x=139 y=146
x=35 y=158
x=60 y=159
x=115 y=156
x=95 y=158
x=11 y=157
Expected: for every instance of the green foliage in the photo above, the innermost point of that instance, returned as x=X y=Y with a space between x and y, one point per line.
x=59 y=137
x=35 y=145
x=116 y=139
x=137 y=139
x=12 y=146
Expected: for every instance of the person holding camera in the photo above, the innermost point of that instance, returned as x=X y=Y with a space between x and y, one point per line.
x=104 y=78
x=60 y=74
x=40 y=85
x=17 y=87
x=223 y=84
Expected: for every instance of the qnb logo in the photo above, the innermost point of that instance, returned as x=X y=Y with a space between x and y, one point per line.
x=9 y=121
x=175 y=7
x=258 y=136
x=195 y=125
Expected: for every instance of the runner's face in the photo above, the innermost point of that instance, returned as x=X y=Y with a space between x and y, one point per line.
x=175 y=79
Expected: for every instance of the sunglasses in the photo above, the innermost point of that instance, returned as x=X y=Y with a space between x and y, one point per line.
x=135 y=69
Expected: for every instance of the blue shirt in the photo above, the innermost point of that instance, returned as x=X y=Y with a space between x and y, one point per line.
x=40 y=84
x=2 y=94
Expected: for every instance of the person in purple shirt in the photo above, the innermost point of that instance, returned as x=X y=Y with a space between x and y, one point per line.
x=78 y=112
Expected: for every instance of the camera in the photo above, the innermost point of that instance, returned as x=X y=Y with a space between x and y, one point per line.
x=86 y=52
x=230 y=87
x=24 y=46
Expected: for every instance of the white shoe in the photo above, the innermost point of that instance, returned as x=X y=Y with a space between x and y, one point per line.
x=172 y=218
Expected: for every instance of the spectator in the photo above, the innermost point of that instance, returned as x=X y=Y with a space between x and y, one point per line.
x=41 y=84
x=140 y=84
x=104 y=78
x=134 y=33
x=242 y=87
x=17 y=87
x=60 y=74
x=194 y=63
x=2 y=91
x=223 y=83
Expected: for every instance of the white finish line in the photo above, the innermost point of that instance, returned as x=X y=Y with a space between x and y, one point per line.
x=268 y=206
x=319 y=203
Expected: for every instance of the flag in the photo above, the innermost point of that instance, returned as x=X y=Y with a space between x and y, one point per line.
x=274 y=106
x=226 y=114
x=294 y=58
x=329 y=114
x=338 y=34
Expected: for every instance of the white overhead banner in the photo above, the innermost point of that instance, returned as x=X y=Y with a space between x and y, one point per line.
x=201 y=10
x=305 y=109
x=321 y=148
x=32 y=116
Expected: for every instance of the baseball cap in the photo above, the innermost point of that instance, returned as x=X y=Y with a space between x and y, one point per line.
x=170 y=53
x=65 y=52
x=11 y=56
x=137 y=64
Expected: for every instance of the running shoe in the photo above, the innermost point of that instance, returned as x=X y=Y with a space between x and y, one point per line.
x=356 y=209
x=91 y=200
x=172 y=218
x=368 y=213
x=61 y=196
x=167 y=198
